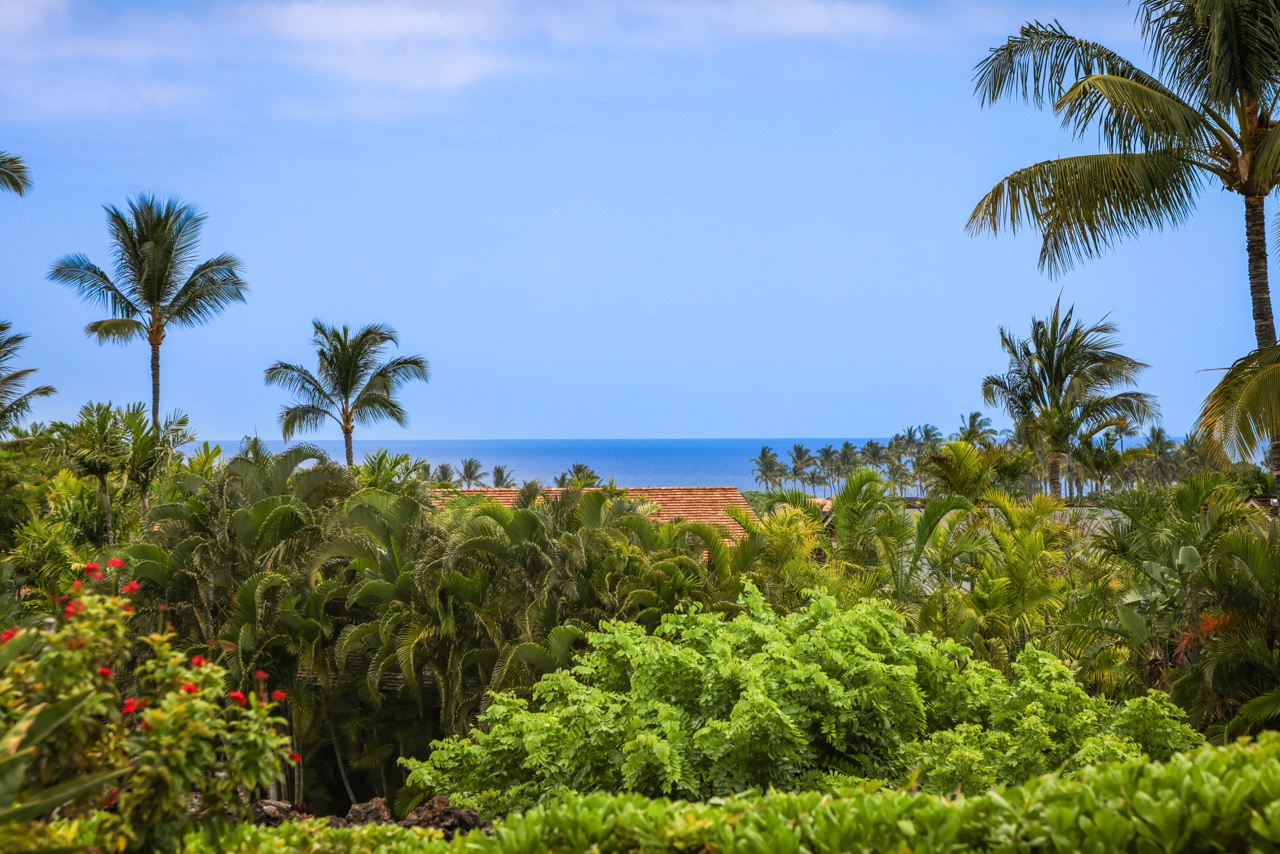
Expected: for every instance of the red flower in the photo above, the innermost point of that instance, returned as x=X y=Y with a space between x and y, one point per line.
x=197 y=661
x=112 y=797
x=76 y=585
x=69 y=611
x=130 y=706
x=211 y=641
x=163 y=607
x=190 y=688
x=131 y=587
x=238 y=697
x=128 y=609
x=91 y=567
x=115 y=563
x=260 y=675
x=293 y=757
x=7 y=635
x=146 y=725
x=279 y=696
x=104 y=672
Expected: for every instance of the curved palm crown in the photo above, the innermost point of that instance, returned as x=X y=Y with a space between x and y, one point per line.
x=157 y=281
x=1062 y=385
x=1243 y=410
x=473 y=473
x=352 y=384
x=14 y=402
x=1204 y=117
x=13 y=174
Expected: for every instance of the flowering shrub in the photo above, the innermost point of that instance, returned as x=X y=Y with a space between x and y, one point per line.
x=184 y=741
x=708 y=707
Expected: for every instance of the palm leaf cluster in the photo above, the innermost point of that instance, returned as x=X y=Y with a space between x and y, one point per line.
x=1065 y=383
x=15 y=400
x=1203 y=113
x=157 y=279
x=352 y=384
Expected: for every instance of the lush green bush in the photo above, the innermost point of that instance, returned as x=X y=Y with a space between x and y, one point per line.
x=706 y=707
x=1213 y=799
x=180 y=735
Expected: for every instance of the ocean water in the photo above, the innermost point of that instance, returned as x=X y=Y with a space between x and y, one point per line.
x=630 y=462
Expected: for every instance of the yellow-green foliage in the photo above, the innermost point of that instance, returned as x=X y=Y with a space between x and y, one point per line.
x=1214 y=799
x=706 y=707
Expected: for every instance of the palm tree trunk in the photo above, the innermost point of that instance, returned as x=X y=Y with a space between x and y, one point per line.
x=155 y=383
x=1264 y=326
x=1055 y=475
x=106 y=505
x=342 y=768
x=346 y=438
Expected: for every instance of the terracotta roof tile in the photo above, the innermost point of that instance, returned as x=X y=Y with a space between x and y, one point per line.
x=691 y=503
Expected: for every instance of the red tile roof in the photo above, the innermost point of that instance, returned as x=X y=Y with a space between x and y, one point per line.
x=690 y=503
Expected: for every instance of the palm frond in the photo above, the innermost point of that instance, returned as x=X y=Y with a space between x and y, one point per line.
x=1243 y=410
x=1083 y=205
x=14 y=175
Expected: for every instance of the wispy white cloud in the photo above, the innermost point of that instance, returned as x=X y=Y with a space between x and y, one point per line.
x=73 y=58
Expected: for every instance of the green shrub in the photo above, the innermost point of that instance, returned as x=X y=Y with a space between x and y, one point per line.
x=1214 y=799
x=706 y=707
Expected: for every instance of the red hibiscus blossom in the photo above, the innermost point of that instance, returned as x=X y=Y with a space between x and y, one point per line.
x=238 y=696
x=279 y=696
x=104 y=672
x=293 y=757
x=197 y=661
x=260 y=675
x=115 y=563
x=190 y=688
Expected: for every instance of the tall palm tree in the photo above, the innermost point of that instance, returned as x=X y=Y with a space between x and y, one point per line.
x=1063 y=385
x=578 y=474
x=502 y=478
x=1204 y=117
x=875 y=455
x=801 y=461
x=13 y=174
x=472 y=473
x=1162 y=449
x=14 y=402
x=976 y=429
x=352 y=386
x=158 y=282
x=766 y=468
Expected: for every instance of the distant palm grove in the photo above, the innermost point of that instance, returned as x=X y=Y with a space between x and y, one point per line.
x=1061 y=635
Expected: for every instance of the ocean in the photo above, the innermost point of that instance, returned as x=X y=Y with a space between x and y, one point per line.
x=630 y=462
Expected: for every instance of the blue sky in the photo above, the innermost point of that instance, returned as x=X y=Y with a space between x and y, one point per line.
x=607 y=218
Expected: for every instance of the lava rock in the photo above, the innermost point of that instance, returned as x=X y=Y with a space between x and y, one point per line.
x=438 y=813
x=273 y=813
x=372 y=812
